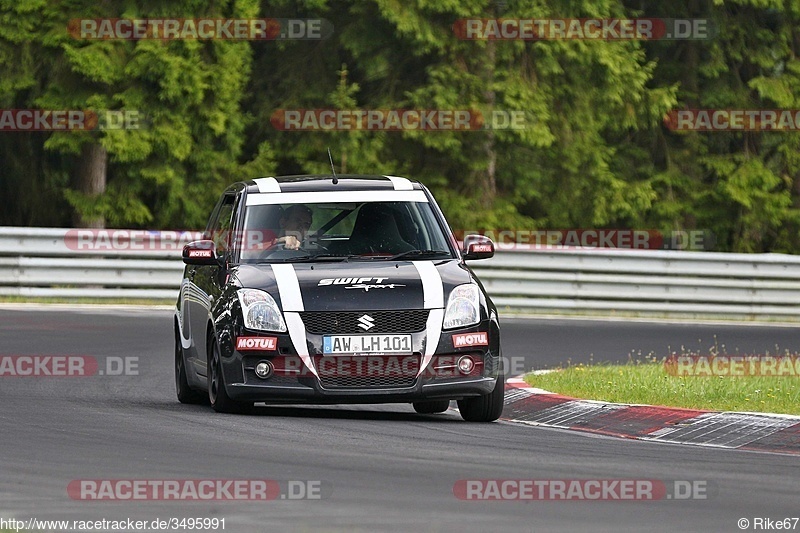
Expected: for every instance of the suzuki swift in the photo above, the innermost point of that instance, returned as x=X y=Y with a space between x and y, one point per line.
x=331 y=290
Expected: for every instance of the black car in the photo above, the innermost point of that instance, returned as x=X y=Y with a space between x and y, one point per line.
x=326 y=289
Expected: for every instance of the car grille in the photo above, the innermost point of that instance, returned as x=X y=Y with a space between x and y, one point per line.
x=332 y=323
x=389 y=372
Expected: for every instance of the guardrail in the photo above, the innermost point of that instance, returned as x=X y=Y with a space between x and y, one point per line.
x=45 y=262
x=118 y=264
x=647 y=283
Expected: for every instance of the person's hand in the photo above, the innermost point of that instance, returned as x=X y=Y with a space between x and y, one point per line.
x=290 y=242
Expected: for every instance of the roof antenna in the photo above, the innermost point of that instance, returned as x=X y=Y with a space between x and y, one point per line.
x=333 y=169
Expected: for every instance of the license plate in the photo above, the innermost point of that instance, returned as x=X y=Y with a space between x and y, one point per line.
x=366 y=344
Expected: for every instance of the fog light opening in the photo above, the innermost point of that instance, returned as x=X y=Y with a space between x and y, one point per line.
x=264 y=369
x=465 y=364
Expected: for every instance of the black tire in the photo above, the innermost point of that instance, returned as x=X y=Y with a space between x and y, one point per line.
x=487 y=408
x=217 y=395
x=185 y=393
x=431 y=407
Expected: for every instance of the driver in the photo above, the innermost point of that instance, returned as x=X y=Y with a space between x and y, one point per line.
x=295 y=223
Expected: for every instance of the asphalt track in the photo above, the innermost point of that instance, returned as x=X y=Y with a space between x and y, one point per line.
x=382 y=468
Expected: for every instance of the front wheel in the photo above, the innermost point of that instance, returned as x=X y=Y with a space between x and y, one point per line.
x=487 y=408
x=185 y=393
x=217 y=395
x=431 y=407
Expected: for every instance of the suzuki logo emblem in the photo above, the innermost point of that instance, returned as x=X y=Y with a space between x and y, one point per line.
x=366 y=322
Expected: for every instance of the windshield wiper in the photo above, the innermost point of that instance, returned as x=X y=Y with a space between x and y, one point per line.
x=335 y=257
x=418 y=253
x=320 y=257
x=359 y=257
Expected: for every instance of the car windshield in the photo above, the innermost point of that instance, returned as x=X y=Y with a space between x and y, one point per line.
x=341 y=231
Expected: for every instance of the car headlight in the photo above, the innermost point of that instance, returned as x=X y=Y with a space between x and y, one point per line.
x=463 y=307
x=260 y=311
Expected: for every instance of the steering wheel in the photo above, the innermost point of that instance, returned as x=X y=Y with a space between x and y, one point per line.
x=281 y=247
x=271 y=249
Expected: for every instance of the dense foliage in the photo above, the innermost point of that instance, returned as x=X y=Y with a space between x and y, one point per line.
x=595 y=152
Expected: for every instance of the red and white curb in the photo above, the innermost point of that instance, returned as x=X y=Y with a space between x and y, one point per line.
x=745 y=431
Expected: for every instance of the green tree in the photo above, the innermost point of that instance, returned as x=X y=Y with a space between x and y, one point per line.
x=166 y=173
x=594 y=152
x=741 y=185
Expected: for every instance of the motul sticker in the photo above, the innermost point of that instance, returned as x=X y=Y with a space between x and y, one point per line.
x=199 y=253
x=478 y=338
x=256 y=343
x=478 y=248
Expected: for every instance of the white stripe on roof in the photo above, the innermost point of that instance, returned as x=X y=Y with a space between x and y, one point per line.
x=401 y=184
x=267 y=185
x=320 y=197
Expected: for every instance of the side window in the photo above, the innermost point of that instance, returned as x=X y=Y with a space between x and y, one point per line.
x=220 y=226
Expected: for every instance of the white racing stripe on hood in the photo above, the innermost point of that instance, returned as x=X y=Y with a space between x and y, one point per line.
x=433 y=331
x=432 y=290
x=288 y=287
x=297 y=332
x=267 y=185
x=433 y=299
x=292 y=303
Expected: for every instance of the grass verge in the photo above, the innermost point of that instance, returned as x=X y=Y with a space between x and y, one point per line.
x=649 y=383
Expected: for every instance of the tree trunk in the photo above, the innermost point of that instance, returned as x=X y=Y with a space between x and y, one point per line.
x=91 y=181
x=489 y=181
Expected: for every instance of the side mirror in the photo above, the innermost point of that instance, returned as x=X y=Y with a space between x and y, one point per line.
x=477 y=247
x=200 y=253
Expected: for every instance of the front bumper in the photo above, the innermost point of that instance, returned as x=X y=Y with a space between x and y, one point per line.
x=293 y=382
x=305 y=394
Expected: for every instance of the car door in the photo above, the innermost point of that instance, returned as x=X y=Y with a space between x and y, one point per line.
x=206 y=281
